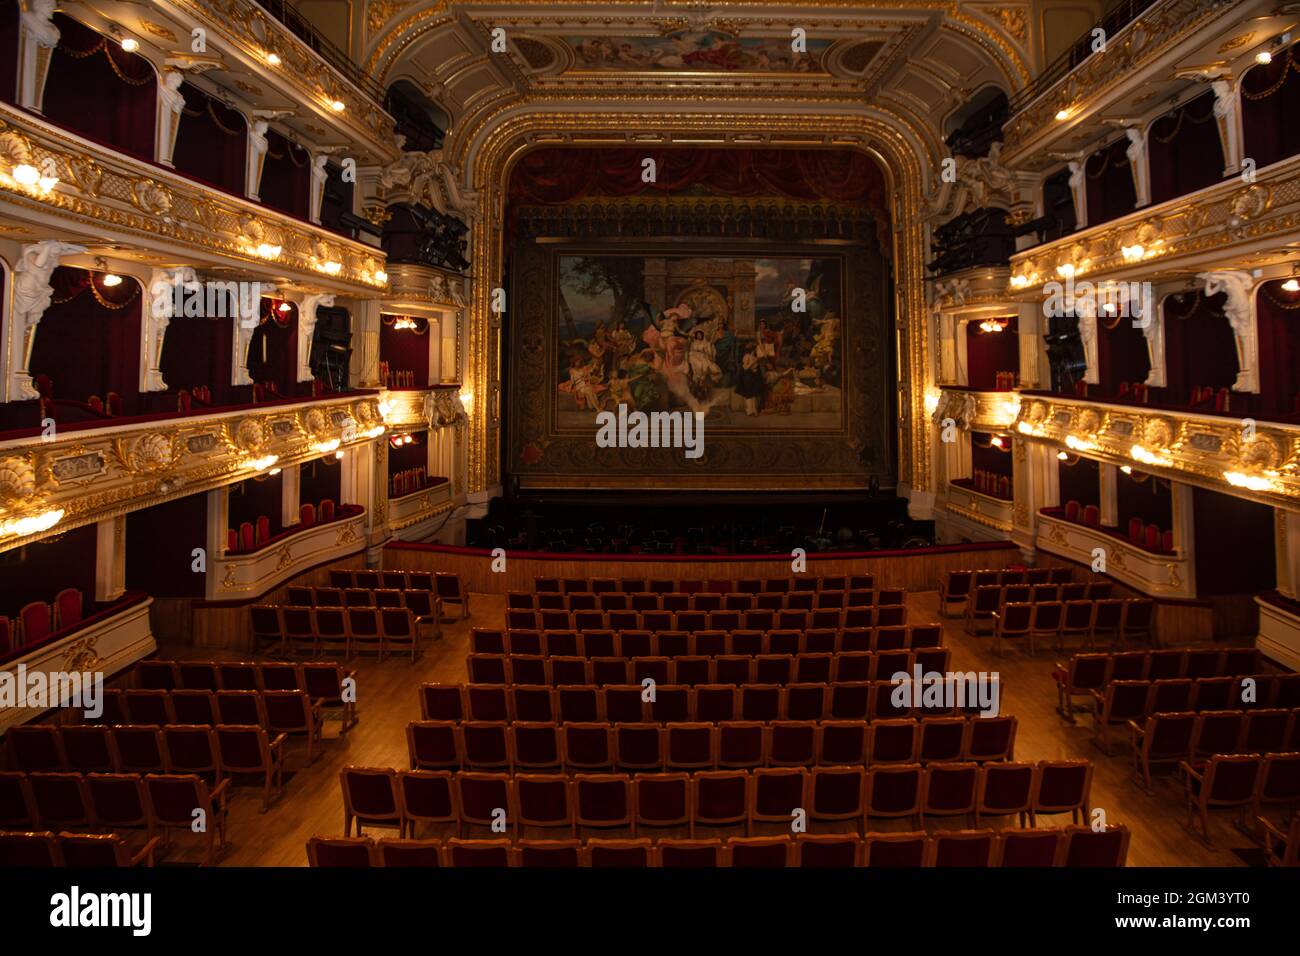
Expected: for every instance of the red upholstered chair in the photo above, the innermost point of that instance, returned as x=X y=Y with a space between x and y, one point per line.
x=1151 y=538
x=183 y=401
x=6 y=635
x=67 y=608
x=307 y=515
x=1092 y=516
x=341 y=852
x=1072 y=511
x=1135 y=530
x=114 y=403
x=327 y=509
x=1167 y=542
x=34 y=619
x=96 y=404
x=232 y=540
x=247 y=541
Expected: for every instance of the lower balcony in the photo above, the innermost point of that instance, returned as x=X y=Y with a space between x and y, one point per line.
x=239 y=576
x=1279 y=629
x=409 y=511
x=978 y=508
x=1167 y=576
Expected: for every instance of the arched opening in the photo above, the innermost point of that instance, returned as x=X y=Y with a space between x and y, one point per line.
x=211 y=142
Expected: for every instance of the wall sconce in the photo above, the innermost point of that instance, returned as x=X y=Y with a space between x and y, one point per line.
x=110 y=279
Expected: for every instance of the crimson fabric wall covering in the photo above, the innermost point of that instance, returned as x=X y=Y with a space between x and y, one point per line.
x=1143 y=496
x=1184 y=151
x=1122 y=354
x=98 y=90
x=1234 y=545
x=1109 y=183
x=1278 y=317
x=1200 y=349
x=407 y=349
x=257 y=496
x=988 y=353
x=986 y=457
x=88 y=341
x=196 y=351
x=211 y=142
x=1270 y=102
x=414 y=455
x=1080 y=481
x=319 y=479
x=9 y=50
x=273 y=349
x=38 y=571
x=286 y=177
x=160 y=541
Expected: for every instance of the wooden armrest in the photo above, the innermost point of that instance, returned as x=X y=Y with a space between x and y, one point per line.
x=219 y=790
x=278 y=742
x=1137 y=729
x=1189 y=770
x=1271 y=832
x=146 y=852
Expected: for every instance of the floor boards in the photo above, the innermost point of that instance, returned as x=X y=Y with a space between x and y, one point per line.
x=387 y=700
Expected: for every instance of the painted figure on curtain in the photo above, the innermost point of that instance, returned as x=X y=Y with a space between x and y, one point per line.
x=698 y=51
x=753 y=343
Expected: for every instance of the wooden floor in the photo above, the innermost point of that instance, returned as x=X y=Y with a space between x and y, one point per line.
x=312 y=803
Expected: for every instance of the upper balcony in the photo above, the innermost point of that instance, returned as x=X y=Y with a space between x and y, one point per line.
x=1152 y=52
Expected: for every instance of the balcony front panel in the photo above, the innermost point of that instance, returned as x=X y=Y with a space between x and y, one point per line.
x=1258 y=461
x=418 y=408
x=105 y=197
x=93 y=475
x=410 y=510
x=243 y=576
x=1169 y=576
x=981 y=509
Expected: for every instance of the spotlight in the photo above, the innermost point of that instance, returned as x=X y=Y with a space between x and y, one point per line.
x=1264 y=57
x=26 y=174
x=1127 y=469
x=338 y=454
x=1291 y=285
x=996 y=441
x=111 y=279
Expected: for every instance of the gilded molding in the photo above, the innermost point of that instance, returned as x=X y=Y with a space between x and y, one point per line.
x=99 y=189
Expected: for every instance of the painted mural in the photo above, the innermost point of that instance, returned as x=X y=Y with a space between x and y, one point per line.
x=697 y=51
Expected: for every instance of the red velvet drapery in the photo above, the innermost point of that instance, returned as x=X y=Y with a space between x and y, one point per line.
x=1109 y=180
x=1184 y=150
x=9 y=49
x=88 y=341
x=1278 y=316
x=273 y=349
x=1270 y=101
x=98 y=90
x=1200 y=350
x=1079 y=479
x=406 y=350
x=1122 y=355
x=286 y=177
x=212 y=141
x=988 y=353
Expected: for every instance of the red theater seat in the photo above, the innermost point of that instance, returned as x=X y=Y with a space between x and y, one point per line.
x=307 y=515
x=34 y=619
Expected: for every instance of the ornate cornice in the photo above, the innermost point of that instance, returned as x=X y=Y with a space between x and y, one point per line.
x=96 y=474
x=1202 y=450
x=978 y=411
x=99 y=190
x=1228 y=220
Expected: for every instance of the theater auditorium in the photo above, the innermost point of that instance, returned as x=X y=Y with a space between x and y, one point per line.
x=649 y=435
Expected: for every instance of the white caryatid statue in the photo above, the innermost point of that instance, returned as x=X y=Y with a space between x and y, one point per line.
x=307 y=331
x=157 y=316
x=318 y=176
x=1137 y=161
x=1078 y=193
x=1086 y=310
x=38 y=36
x=257 y=147
x=1239 y=307
x=32 y=295
x=1228 y=115
x=170 y=103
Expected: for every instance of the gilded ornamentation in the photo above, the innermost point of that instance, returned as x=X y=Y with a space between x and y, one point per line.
x=1236 y=43
x=151 y=197
x=17 y=478
x=347 y=533
x=249 y=434
x=284 y=557
x=81 y=655
x=230 y=579
x=157 y=30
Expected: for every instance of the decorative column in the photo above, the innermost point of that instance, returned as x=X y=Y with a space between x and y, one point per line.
x=1138 y=166
x=1108 y=494
x=318 y=177
x=155 y=318
x=247 y=315
x=1227 y=113
x=1035 y=372
x=218 y=523
x=449 y=342
x=1088 y=336
x=257 y=147
x=1153 y=330
x=1287 y=526
x=1079 y=193
x=1240 y=310
x=110 y=558
x=170 y=103
x=307 y=331
x=364 y=370
x=37 y=38
x=31 y=297
x=1184 y=522
x=290 y=492
x=948 y=363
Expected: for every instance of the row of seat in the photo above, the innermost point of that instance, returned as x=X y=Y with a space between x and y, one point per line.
x=724 y=669
x=425 y=604
x=445 y=584
x=829 y=582
x=704 y=703
x=321 y=680
x=1234 y=728
x=155 y=802
x=955 y=587
x=252 y=535
x=793 y=796
x=1073 y=846
x=1246 y=783
x=1084 y=673
x=1113 y=620
x=144 y=748
x=36 y=620
x=892 y=616
x=212 y=752
x=635 y=643
x=1185 y=735
x=82 y=850
x=703 y=601
x=336 y=630
x=528 y=745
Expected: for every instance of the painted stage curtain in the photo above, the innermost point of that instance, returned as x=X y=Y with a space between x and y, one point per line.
x=286 y=177
x=1109 y=183
x=212 y=142
x=88 y=341
x=1270 y=102
x=98 y=90
x=1184 y=150
x=554 y=175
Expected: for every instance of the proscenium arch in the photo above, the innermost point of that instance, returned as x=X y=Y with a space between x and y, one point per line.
x=491 y=150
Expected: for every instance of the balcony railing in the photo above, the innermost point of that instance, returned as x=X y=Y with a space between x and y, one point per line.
x=1120 y=17
x=331 y=54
